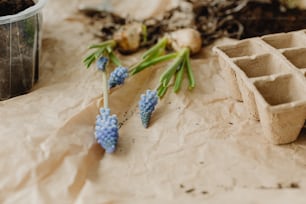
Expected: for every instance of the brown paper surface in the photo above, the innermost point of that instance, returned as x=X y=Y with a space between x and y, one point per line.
x=200 y=147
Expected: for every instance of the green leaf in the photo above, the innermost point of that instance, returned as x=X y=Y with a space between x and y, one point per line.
x=153 y=50
x=173 y=67
x=168 y=77
x=89 y=60
x=89 y=57
x=101 y=48
x=144 y=33
x=179 y=78
x=160 y=52
x=111 y=43
x=189 y=71
x=114 y=59
x=161 y=91
x=145 y=64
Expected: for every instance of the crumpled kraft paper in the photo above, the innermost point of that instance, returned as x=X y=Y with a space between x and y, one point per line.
x=200 y=147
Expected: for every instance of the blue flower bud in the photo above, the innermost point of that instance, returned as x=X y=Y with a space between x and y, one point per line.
x=147 y=104
x=106 y=130
x=118 y=76
x=101 y=63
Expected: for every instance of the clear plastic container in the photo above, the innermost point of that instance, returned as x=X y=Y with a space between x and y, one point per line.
x=20 y=40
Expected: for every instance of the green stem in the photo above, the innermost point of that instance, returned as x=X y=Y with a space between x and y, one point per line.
x=179 y=78
x=160 y=45
x=154 y=55
x=111 y=43
x=189 y=71
x=105 y=89
x=168 y=77
x=172 y=68
x=93 y=56
x=144 y=64
x=144 y=32
x=161 y=91
x=99 y=52
x=89 y=60
x=114 y=58
x=105 y=48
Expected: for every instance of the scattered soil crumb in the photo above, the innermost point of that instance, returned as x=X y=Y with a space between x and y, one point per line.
x=190 y=190
x=294 y=185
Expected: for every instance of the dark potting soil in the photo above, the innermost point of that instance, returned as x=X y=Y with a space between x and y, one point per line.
x=18 y=51
x=10 y=7
x=214 y=19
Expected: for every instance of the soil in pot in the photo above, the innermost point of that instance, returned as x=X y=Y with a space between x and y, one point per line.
x=11 y=7
x=18 y=50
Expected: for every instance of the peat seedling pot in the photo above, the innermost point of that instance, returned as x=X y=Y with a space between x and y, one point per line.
x=20 y=34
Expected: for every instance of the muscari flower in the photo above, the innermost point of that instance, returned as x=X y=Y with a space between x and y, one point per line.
x=147 y=104
x=106 y=130
x=118 y=76
x=101 y=63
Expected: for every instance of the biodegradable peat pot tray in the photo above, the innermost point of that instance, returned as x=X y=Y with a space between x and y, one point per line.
x=268 y=74
x=20 y=28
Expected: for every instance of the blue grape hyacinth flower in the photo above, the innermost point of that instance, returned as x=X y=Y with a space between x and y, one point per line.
x=118 y=76
x=106 y=130
x=147 y=104
x=101 y=63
